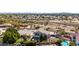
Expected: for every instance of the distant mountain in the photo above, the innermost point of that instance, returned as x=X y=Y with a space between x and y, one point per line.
x=52 y=14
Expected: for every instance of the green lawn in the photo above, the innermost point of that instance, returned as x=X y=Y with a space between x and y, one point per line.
x=1 y=40
x=18 y=41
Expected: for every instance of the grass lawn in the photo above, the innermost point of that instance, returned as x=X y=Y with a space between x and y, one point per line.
x=18 y=41
x=1 y=40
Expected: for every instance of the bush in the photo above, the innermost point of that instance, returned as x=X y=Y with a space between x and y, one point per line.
x=25 y=37
x=18 y=41
x=37 y=27
x=59 y=42
x=28 y=43
x=72 y=43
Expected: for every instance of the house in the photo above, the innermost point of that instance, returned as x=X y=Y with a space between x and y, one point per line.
x=77 y=39
x=3 y=27
x=67 y=37
x=26 y=32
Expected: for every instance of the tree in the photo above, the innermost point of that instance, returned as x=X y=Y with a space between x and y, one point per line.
x=62 y=32
x=24 y=37
x=59 y=42
x=72 y=43
x=46 y=23
x=10 y=36
x=37 y=27
x=43 y=37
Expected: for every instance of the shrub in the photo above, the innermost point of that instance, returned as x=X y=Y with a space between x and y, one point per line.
x=28 y=43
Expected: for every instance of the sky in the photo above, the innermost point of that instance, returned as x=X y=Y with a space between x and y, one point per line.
x=39 y=6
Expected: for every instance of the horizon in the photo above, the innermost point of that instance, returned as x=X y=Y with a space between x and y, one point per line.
x=36 y=13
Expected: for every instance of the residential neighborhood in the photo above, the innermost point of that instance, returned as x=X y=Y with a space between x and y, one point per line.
x=39 y=29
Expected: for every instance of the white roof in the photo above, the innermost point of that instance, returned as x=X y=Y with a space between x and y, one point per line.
x=25 y=31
